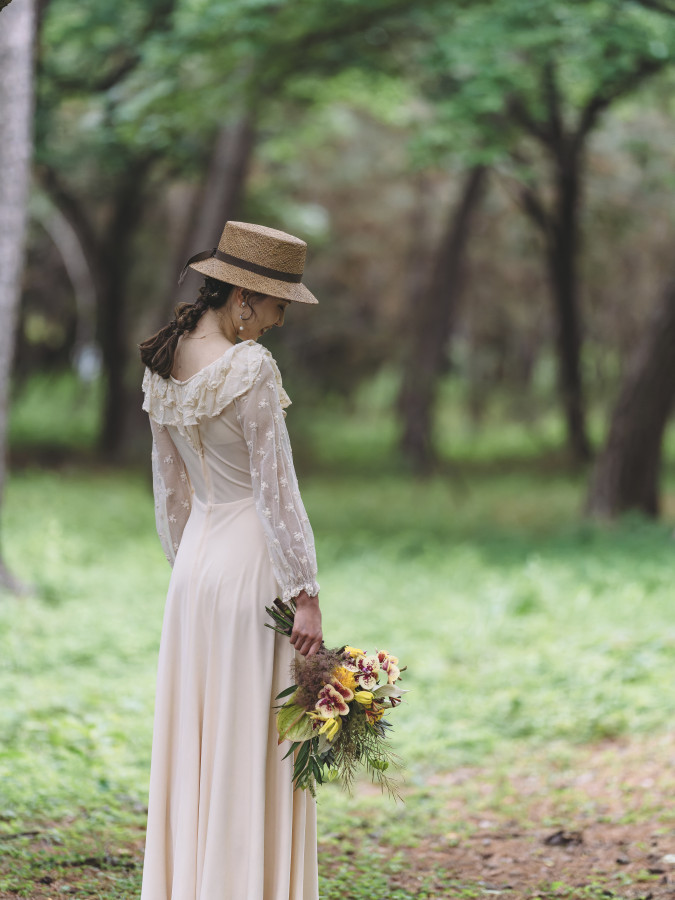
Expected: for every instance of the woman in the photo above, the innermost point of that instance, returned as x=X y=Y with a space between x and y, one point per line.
x=223 y=820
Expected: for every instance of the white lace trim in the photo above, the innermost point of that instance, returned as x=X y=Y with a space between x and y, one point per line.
x=209 y=391
x=312 y=588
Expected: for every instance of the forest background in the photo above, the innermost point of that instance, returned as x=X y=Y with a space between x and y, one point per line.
x=481 y=413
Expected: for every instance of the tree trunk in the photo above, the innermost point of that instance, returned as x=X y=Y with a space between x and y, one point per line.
x=17 y=25
x=431 y=314
x=562 y=257
x=75 y=262
x=626 y=474
x=220 y=197
x=116 y=260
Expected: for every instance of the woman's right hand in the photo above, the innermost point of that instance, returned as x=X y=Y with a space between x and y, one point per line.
x=307 y=635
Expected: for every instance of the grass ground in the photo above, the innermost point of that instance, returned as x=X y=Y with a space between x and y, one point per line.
x=540 y=648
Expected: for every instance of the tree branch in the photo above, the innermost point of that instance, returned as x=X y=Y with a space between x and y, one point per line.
x=522 y=116
x=534 y=208
x=612 y=91
x=76 y=214
x=528 y=199
x=370 y=15
x=660 y=6
x=158 y=21
x=551 y=92
x=302 y=55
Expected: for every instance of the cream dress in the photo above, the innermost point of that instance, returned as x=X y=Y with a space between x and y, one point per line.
x=223 y=820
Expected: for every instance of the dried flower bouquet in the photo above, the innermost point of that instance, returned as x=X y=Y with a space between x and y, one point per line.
x=334 y=712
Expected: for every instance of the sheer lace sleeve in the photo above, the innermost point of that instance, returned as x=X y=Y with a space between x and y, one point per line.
x=275 y=487
x=172 y=490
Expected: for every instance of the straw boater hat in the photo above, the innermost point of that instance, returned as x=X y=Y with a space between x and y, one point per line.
x=261 y=259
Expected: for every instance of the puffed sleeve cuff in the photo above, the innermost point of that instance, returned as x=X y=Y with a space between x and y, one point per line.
x=312 y=588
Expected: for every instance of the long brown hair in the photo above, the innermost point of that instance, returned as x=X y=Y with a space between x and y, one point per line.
x=158 y=351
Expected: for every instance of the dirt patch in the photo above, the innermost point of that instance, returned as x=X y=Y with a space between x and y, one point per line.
x=603 y=860
x=595 y=822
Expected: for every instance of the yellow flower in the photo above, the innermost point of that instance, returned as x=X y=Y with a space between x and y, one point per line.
x=345 y=677
x=365 y=698
x=330 y=728
x=354 y=652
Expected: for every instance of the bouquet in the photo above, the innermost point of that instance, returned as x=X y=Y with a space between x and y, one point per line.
x=334 y=712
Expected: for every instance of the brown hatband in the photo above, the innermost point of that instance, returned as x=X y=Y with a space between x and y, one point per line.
x=240 y=264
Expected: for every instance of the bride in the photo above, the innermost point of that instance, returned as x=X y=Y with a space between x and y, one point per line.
x=223 y=820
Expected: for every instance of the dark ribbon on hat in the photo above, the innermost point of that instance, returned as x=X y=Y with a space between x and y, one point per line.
x=240 y=264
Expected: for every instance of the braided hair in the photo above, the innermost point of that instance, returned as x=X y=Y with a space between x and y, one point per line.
x=158 y=351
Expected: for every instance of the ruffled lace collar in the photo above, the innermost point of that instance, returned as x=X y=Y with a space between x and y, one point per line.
x=207 y=392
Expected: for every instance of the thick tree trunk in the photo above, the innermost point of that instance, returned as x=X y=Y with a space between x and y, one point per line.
x=116 y=259
x=17 y=24
x=626 y=474
x=431 y=315
x=562 y=257
x=220 y=197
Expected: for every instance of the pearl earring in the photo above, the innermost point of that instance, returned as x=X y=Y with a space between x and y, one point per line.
x=241 y=328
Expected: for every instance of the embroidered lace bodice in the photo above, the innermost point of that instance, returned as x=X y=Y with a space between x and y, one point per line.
x=220 y=437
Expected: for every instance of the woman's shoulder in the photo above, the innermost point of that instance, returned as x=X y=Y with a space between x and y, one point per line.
x=250 y=362
x=207 y=393
x=260 y=367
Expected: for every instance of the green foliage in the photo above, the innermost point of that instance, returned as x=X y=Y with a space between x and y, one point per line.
x=496 y=70
x=528 y=633
x=180 y=70
x=73 y=698
x=524 y=631
x=292 y=724
x=53 y=411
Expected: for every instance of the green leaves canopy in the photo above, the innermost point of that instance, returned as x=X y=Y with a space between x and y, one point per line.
x=495 y=69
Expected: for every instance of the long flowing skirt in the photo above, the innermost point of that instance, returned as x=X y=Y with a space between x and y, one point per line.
x=223 y=820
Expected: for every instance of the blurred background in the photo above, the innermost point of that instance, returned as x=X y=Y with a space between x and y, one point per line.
x=482 y=399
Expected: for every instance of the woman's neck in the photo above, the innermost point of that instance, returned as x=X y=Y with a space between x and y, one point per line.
x=214 y=323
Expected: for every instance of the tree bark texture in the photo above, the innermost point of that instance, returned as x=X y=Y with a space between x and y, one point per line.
x=432 y=314
x=75 y=262
x=562 y=257
x=17 y=24
x=565 y=147
x=626 y=473
x=116 y=260
x=559 y=226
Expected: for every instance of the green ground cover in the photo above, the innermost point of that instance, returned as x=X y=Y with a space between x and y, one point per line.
x=526 y=631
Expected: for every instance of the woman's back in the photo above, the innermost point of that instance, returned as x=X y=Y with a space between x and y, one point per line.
x=221 y=473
